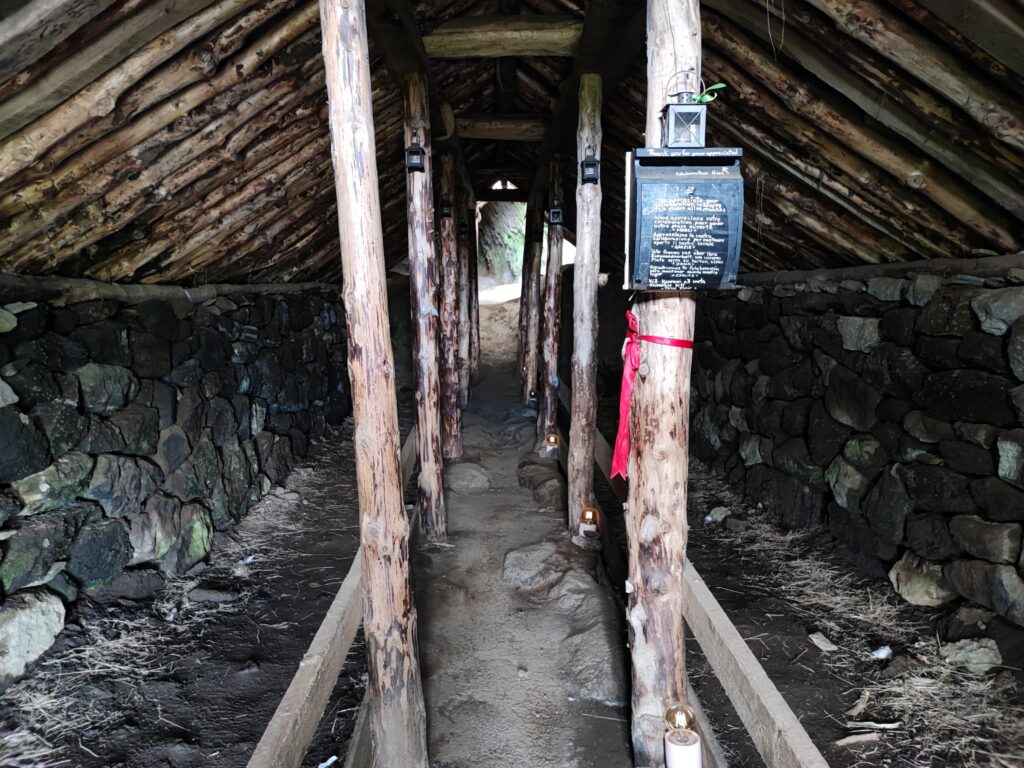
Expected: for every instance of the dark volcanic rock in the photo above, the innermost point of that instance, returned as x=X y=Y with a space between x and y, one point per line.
x=886 y=508
x=38 y=544
x=100 y=437
x=139 y=428
x=58 y=353
x=985 y=351
x=105 y=388
x=32 y=382
x=897 y=326
x=120 y=484
x=798 y=505
x=1015 y=349
x=63 y=426
x=792 y=383
x=928 y=535
x=850 y=401
x=152 y=355
x=1000 y=501
x=936 y=489
x=107 y=342
x=967 y=395
x=967 y=458
x=23 y=448
x=999 y=587
x=211 y=351
x=825 y=435
x=99 y=553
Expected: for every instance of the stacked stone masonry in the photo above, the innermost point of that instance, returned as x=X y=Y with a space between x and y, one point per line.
x=891 y=410
x=129 y=433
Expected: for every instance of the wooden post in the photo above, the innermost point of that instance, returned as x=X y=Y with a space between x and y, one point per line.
x=585 y=276
x=389 y=613
x=463 y=212
x=423 y=288
x=451 y=415
x=474 y=296
x=535 y=247
x=524 y=291
x=547 y=418
x=656 y=515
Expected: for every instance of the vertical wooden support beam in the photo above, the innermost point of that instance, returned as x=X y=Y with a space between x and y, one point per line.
x=451 y=415
x=524 y=291
x=474 y=296
x=531 y=344
x=656 y=516
x=423 y=287
x=547 y=420
x=585 y=276
x=389 y=613
x=464 y=208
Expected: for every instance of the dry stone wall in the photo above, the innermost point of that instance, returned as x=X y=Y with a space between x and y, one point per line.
x=890 y=410
x=129 y=433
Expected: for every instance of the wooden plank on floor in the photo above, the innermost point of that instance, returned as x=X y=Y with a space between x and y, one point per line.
x=773 y=727
x=288 y=736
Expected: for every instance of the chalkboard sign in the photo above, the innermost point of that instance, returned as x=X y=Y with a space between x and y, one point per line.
x=684 y=219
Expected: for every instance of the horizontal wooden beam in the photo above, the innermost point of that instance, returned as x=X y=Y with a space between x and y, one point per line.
x=499 y=36
x=501 y=127
x=502 y=195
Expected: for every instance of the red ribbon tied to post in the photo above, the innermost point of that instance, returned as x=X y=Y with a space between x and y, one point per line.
x=630 y=365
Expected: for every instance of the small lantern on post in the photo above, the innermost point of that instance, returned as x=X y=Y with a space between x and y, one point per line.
x=683 y=123
x=446 y=208
x=588 y=523
x=590 y=169
x=415 y=156
x=555 y=215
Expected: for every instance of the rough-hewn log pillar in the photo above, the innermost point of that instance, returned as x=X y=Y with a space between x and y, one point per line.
x=451 y=414
x=474 y=296
x=464 y=210
x=524 y=292
x=389 y=618
x=547 y=418
x=584 y=314
x=531 y=343
x=656 y=517
x=423 y=288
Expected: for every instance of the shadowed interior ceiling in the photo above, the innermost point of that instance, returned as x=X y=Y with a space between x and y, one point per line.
x=186 y=140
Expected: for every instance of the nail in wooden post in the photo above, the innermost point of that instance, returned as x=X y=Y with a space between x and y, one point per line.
x=423 y=288
x=586 y=270
x=389 y=621
x=531 y=342
x=451 y=414
x=547 y=419
x=656 y=517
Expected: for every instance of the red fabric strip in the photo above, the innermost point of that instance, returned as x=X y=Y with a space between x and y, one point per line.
x=630 y=364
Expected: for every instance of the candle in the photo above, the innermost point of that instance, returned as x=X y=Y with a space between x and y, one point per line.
x=588 y=522
x=682 y=749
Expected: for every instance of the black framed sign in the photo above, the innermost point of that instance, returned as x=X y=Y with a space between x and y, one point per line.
x=684 y=219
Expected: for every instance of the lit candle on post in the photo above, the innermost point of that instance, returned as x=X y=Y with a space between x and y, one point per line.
x=682 y=744
x=588 y=523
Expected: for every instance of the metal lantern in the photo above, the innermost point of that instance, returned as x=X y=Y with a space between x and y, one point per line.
x=463 y=229
x=446 y=208
x=590 y=170
x=683 y=124
x=555 y=215
x=415 y=157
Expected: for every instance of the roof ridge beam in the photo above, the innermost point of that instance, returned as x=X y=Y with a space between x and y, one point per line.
x=499 y=36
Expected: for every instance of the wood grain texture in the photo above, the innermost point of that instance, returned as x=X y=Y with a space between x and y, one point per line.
x=451 y=414
x=423 y=289
x=658 y=459
x=547 y=416
x=290 y=731
x=531 y=344
x=474 y=296
x=389 y=613
x=499 y=36
x=501 y=127
x=586 y=270
x=464 y=210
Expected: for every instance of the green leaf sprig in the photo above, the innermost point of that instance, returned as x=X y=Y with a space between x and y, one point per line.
x=708 y=94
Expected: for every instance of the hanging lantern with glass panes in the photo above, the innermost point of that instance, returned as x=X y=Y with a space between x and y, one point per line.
x=590 y=169
x=683 y=123
x=555 y=215
x=415 y=156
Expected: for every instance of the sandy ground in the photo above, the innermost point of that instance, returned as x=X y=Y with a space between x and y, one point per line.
x=499 y=662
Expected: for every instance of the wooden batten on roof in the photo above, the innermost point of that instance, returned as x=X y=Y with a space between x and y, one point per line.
x=185 y=141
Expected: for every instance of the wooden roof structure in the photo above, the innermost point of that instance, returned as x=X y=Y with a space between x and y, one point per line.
x=186 y=140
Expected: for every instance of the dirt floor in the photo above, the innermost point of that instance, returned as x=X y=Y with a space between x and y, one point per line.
x=177 y=683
